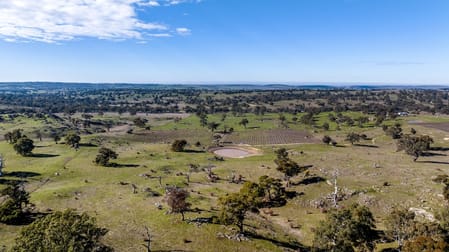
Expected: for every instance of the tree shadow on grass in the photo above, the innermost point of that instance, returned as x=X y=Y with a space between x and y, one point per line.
x=87 y=145
x=116 y=165
x=11 y=182
x=432 y=154
x=172 y=250
x=43 y=155
x=193 y=151
x=26 y=219
x=439 y=148
x=22 y=174
x=290 y=245
x=367 y=145
x=311 y=180
x=433 y=162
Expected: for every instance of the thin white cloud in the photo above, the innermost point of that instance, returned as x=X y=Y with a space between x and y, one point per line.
x=54 y=21
x=183 y=31
x=159 y=35
x=150 y=3
x=155 y=3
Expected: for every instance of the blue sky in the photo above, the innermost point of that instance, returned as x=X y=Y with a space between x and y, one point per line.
x=225 y=41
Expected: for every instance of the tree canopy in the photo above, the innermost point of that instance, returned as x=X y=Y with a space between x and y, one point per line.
x=414 y=145
x=178 y=145
x=24 y=146
x=62 y=231
x=13 y=199
x=347 y=229
x=287 y=166
x=104 y=155
x=72 y=139
x=176 y=200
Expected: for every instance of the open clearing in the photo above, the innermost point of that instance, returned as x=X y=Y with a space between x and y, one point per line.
x=444 y=126
x=273 y=136
x=236 y=151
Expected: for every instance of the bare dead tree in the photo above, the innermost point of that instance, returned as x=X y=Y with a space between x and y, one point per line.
x=335 y=193
x=134 y=187
x=2 y=165
x=147 y=239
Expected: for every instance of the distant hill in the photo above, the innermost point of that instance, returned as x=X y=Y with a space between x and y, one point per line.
x=57 y=86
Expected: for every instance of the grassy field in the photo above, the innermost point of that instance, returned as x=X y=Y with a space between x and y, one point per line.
x=61 y=177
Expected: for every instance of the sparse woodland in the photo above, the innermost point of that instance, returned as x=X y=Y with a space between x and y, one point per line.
x=132 y=168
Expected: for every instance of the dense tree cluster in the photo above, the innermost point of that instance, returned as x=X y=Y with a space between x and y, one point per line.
x=207 y=100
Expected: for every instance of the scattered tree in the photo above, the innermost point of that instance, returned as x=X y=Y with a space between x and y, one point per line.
x=394 y=131
x=104 y=155
x=287 y=166
x=426 y=243
x=178 y=145
x=56 y=138
x=414 y=145
x=327 y=139
x=176 y=200
x=274 y=193
x=244 y=122
x=14 y=136
x=72 y=139
x=346 y=230
x=203 y=119
x=400 y=224
x=140 y=122
x=39 y=135
x=307 y=119
x=13 y=200
x=24 y=146
x=233 y=210
x=213 y=126
x=353 y=137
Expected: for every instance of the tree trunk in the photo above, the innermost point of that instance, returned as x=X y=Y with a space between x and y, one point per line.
x=241 y=227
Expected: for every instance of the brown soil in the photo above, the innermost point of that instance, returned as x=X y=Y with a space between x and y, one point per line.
x=235 y=151
x=439 y=126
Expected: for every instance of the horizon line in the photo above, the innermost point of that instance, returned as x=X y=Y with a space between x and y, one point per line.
x=229 y=83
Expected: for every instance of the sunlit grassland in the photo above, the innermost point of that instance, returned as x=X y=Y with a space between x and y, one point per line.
x=66 y=178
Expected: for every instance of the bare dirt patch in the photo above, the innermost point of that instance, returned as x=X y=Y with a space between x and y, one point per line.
x=274 y=136
x=235 y=151
x=439 y=126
